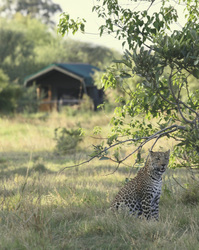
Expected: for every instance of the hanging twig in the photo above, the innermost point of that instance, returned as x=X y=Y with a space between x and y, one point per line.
x=178 y=182
x=113 y=171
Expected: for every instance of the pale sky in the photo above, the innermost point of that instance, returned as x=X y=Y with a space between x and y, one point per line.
x=83 y=9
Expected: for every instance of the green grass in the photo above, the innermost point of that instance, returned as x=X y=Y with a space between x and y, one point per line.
x=41 y=208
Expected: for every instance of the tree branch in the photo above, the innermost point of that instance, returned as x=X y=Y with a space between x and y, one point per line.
x=101 y=152
x=157 y=135
x=178 y=101
x=114 y=170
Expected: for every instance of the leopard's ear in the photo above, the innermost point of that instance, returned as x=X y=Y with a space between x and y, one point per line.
x=168 y=152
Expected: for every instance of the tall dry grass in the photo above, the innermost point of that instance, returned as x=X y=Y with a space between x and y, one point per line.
x=41 y=208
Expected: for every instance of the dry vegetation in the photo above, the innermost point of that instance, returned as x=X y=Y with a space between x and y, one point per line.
x=43 y=209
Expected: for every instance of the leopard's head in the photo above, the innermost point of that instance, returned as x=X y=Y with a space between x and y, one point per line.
x=159 y=161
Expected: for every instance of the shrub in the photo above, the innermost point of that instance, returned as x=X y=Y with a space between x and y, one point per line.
x=9 y=94
x=28 y=101
x=191 y=194
x=40 y=168
x=14 y=97
x=67 y=139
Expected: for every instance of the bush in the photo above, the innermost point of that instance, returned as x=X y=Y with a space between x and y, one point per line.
x=14 y=97
x=67 y=139
x=9 y=94
x=28 y=101
x=39 y=167
x=190 y=196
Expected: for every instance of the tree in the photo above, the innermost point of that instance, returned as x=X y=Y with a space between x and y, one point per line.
x=88 y=53
x=9 y=94
x=165 y=60
x=35 y=8
x=27 y=45
x=16 y=52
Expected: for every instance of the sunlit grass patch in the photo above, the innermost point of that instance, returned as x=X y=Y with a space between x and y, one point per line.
x=43 y=207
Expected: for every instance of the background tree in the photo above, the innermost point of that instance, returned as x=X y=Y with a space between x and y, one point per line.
x=27 y=45
x=166 y=60
x=39 y=9
x=8 y=94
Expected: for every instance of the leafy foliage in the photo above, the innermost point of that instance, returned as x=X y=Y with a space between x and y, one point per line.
x=190 y=196
x=67 y=139
x=35 y=8
x=165 y=60
x=8 y=94
x=66 y=24
x=28 y=101
x=27 y=45
x=15 y=97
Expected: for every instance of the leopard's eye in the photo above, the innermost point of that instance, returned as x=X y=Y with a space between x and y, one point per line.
x=158 y=158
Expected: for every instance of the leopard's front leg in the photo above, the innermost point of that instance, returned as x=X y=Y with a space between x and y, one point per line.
x=155 y=207
x=146 y=207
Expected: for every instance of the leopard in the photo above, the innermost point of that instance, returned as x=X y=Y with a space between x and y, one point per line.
x=141 y=195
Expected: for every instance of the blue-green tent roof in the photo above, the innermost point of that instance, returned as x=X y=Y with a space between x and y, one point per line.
x=81 y=70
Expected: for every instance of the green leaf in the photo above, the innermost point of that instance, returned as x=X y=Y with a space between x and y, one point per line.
x=196 y=62
x=196 y=73
x=104 y=158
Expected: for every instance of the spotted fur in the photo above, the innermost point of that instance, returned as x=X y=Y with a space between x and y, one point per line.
x=141 y=195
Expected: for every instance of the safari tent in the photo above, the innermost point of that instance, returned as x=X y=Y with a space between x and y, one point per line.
x=65 y=84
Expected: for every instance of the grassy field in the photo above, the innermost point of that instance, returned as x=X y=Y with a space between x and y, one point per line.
x=41 y=208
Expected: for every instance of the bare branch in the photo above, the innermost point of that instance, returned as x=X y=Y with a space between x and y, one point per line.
x=178 y=182
x=156 y=136
x=155 y=142
x=178 y=101
x=186 y=106
x=77 y=165
x=183 y=117
x=101 y=152
x=150 y=5
x=165 y=99
x=113 y=171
